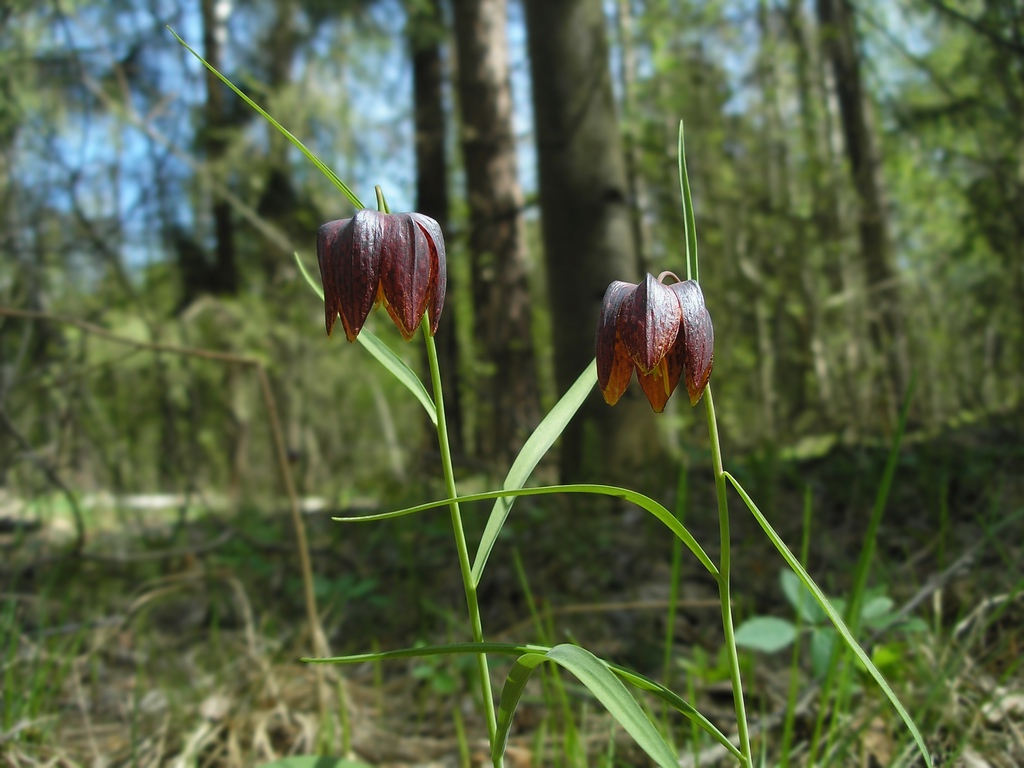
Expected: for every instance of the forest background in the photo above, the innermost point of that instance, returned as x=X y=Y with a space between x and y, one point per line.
x=858 y=178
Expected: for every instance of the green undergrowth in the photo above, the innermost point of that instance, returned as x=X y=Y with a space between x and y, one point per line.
x=135 y=645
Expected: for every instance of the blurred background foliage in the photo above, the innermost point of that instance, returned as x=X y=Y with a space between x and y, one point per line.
x=858 y=177
x=857 y=174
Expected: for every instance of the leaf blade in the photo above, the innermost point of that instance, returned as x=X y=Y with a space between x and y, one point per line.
x=331 y=176
x=599 y=680
x=833 y=616
x=533 y=450
x=644 y=502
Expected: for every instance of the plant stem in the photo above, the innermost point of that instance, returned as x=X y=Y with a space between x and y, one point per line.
x=460 y=540
x=724 y=567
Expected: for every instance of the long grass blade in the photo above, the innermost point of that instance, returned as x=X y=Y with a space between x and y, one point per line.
x=689 y=220
x=536 y=446
x=833 y=616
x=600 y=681
x=518 y=649
x=644 y=502
x=331 y=176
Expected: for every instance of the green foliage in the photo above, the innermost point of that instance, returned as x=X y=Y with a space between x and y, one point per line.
x=599 y=680
x=769 y=634
x=310 y=761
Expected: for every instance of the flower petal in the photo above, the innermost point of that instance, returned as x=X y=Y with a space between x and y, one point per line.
x=361 y=259
x=328 y=244
x=656 y=386
x=649 y=323
x=660 y=383
x=438 y=268
x=405 y=272
x=696 y=338
x=614 y=366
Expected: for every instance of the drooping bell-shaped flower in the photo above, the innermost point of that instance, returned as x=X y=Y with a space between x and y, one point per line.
x=663 y=331
x=394 y=259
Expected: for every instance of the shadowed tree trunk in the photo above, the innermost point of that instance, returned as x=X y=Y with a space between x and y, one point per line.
x=841 y=45
x=223 y=276
x=279 y=202
x=627 y=87
x=425 y=35
x=587 y=227
x=815 y=238
x=506 y=374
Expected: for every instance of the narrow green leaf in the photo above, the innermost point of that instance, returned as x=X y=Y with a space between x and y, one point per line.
x=309 y=278
x=689 y=220
x=644 y=502
x=516 y=649
x=834 y=617
x=383 y=354
x=397 y=367
x=342 y=186
x=599 y=680
x=533 y=450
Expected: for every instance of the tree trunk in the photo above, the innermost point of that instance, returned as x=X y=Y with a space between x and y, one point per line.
x=586 y=222
x=627 y=85
x=279 y=201
x=506 y=375
x=223 y=277
x=425 y=34
x=841 y=44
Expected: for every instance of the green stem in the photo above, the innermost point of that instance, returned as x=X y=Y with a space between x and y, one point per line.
x=460 y=540
x=724 y=567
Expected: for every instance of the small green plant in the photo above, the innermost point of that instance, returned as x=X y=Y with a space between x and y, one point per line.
x=769 y=634
x=661 y=329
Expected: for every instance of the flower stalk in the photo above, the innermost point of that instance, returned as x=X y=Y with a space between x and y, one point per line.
x=465 y=567
x=723 y=578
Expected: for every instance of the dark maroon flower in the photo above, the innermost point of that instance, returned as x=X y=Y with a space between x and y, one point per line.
x=663 y=331
x=394 y=259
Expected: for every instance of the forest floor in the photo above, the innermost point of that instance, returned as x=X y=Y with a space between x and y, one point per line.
x=175 y=639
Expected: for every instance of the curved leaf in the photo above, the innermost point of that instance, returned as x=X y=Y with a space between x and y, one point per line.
x=383 y=354
x=834 y=617
x=599 y=680
x=509 y=649
x=644 y=502
x=331 y=176
x=689 y=220
x=533 y=450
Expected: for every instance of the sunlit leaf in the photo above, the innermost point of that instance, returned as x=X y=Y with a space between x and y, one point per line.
x=509 y=649
x=644 y=502
x=331 y=176
x=689 y=220
x=600 y=681
x=533 y=450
